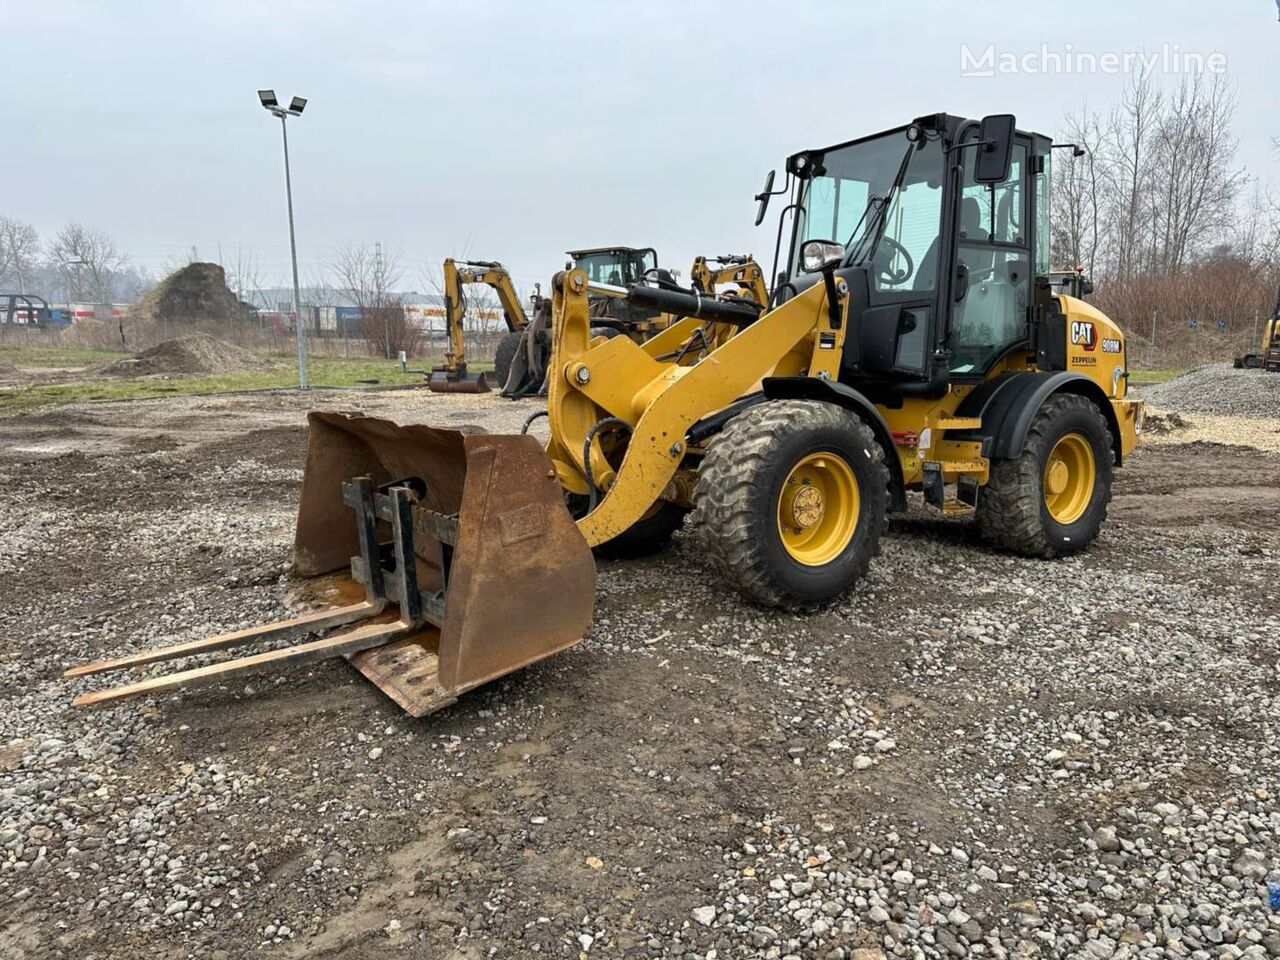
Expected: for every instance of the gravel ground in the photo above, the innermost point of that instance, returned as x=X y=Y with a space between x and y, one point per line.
x=973 y=754
x=1220 y=390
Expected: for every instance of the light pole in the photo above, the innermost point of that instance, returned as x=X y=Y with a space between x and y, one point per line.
x=268 y=100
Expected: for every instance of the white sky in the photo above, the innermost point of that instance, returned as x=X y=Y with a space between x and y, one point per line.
x=516 y=130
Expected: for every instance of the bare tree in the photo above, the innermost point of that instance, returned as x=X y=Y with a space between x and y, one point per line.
x=1132 y=132
x=1077 y=192
x=244 y=277
x=367 y=277
x=1194 y=176
x=19 y=253
x=87 y=258
x=1177 y=234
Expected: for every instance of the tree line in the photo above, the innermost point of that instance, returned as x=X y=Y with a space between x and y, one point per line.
x=1160 y=213
x=79 y=264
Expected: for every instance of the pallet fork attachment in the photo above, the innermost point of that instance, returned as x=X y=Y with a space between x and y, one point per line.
x=477 y=539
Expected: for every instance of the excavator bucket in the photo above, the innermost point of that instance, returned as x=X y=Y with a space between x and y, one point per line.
x=470 y=563
x=444 y=381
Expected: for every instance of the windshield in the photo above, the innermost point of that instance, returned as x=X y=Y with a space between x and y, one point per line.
x=617 y=267
x=850 y=201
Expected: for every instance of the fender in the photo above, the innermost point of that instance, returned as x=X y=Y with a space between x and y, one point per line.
x=812 y=388
x=1008 y=403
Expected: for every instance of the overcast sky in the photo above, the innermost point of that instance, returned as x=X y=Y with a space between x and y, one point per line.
x=514 y=131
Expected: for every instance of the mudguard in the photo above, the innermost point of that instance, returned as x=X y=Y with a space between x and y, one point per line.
x=812 y=388
x=1007 y=405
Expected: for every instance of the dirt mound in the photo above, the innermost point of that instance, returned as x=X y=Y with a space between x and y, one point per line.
x=197 y=354
x=196 y=293
x=1219 y=389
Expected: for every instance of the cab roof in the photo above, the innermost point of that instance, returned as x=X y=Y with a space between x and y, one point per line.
x=947 y=122
x=586 y=250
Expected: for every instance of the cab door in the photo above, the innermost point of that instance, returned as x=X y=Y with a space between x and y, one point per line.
x=903 y=278
x=990 y=308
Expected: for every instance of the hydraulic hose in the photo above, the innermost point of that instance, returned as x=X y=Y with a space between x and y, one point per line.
x=529 y=422
x=616 y=423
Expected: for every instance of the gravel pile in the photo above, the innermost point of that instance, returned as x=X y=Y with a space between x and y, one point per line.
x=195 y=354
x=972 y=755
x=1218 y=389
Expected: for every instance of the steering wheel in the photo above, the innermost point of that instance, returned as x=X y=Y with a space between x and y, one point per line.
x=885 y=274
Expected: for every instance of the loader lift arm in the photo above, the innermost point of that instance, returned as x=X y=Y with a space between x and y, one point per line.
x=660 y=401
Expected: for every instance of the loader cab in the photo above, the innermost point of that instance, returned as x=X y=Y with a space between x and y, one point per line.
x=940 y=255
x=618 y=267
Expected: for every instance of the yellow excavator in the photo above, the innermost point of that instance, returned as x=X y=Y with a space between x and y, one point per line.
x=452 y=376
x=1268 y=355
x=913 y=347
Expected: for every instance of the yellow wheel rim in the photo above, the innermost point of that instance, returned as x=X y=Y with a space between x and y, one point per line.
x=818 y=508
x=1068 y=478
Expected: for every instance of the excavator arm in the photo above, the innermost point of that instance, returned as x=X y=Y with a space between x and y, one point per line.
x=738 y=269
x=452 y=376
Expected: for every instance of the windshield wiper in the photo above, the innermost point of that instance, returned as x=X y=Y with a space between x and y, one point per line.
x=872 y=201
x=877 y=221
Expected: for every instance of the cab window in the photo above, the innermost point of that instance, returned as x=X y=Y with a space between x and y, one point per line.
x=906 y=252
x=993 y=245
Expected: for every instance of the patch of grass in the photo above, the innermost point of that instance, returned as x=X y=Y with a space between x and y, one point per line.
x=29 y=356
x=1155 y=375
x=321 y=372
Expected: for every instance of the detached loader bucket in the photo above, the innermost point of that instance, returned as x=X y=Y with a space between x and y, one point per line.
x=467 y=536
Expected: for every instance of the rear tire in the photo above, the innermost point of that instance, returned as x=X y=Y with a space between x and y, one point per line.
x=505 y=355
x=758 y=520
x=1018 y=508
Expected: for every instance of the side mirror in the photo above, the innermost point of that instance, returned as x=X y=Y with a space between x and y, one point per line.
x=995 y=155
x=818 y=255
x=762 y=198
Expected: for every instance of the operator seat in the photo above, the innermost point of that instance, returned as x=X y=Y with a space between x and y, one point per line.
x=970 y=229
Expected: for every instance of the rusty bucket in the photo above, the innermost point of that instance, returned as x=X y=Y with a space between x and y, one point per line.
x=464 y=536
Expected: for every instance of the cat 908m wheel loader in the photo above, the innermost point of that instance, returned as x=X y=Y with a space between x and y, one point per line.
x=915 y=345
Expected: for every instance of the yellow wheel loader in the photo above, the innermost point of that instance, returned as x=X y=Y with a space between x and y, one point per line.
x=452 y=376
x=612 y=271
x=914 y=346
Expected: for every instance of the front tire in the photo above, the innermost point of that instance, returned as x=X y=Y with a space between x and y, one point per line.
x=647 y=535
x=791 y=502
x=1051 y=500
